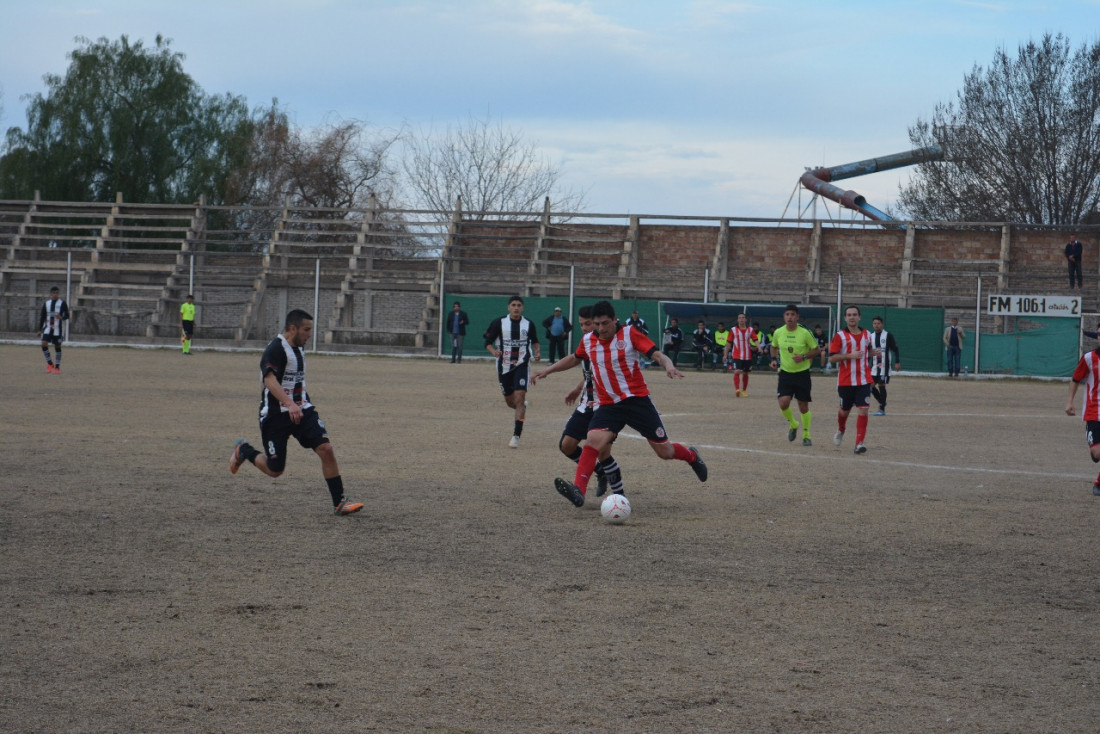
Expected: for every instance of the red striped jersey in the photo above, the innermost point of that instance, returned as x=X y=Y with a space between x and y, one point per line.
x=852 y=371
x=616 y=363
x=740 y=342
x=1086 y=374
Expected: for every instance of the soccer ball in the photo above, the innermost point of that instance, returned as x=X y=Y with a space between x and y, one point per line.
x=615 y=508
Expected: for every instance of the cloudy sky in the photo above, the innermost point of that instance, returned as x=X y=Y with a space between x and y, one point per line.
x=704 y=107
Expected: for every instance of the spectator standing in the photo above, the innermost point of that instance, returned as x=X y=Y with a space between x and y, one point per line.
x=187 y=323
x=953 y=337
x=1074 y=251
x=456 y=328
x=512 y=341
x=1087 y=373
x=637 y=322
x=52 y=317
x=887 y=352
x=286 y=410
x=557 y=331
x=793 y=349
x=674 y=340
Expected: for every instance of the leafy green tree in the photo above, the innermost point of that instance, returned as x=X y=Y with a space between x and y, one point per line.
x=125 y=118
x=1022 y=141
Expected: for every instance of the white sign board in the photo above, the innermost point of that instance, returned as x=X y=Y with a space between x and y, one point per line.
x=999 y=305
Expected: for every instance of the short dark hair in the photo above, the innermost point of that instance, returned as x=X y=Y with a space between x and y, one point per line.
x=55 y=289
x=456 y=303
x=791 y=307
x=855 y=307
x=190 y=295
x=295 y=318
x=514 y=299
x=879 y=318
x=585 y=312
x=603 y=308
x=721 y=323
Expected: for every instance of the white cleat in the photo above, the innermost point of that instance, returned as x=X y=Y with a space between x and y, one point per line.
x=514 y=443
x=838 y=437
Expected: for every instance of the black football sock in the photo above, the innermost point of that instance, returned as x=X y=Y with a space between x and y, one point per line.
x=336 y=489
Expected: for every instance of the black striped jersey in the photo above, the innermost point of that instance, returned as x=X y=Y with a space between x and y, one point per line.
x=884 y=340
x=514 y=339
x=288 y=364
x=52 y=316
x=588 y=401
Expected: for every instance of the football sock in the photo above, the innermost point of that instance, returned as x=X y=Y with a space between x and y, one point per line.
x=46 y=352
x=807 y=418
x=736 y=380
x=744 y=380
x=610 y=469
x=841 y=422
x=57 y=355
x=187 y=346
x=861 y=427
x=789 y=415
x=518 y=430
x=248 y=453
x=336 y=489
x=683 y=453
x=585 y=467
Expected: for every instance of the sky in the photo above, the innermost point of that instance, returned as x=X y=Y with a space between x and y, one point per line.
x=697 y=108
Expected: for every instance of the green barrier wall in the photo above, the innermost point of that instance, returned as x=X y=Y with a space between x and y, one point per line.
x=1036 y=346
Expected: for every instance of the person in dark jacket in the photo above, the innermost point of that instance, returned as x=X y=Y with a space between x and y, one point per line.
x=557 y=331
x=455 y=326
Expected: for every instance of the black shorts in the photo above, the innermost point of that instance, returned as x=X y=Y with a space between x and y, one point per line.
x=276 y=431
x=1092 y=432
x=188 y=328
x=742 y=365
x=638 y=413
x=857 y=395
x=514 y=379
x=794 y=384
x=54 y=339
x=577 y=425
x=881 y=379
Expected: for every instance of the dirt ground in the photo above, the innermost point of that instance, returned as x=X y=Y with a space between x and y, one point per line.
x=946 y=581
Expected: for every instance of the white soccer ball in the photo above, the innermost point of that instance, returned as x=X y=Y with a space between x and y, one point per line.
x=615 y=508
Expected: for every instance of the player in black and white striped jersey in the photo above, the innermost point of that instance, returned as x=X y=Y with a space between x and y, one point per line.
x=286 y=411
x=576 y=429
x=880 y=365
x=52 y=318
x=513 y=340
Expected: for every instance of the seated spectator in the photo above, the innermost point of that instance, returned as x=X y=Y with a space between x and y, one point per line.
x=703 y=343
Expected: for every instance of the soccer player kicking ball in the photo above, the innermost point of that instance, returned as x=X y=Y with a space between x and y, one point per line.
x=615 y=354
x=1086 y=373
x=850 y=350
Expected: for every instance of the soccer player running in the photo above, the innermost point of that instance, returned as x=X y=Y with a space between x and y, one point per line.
x=793 y=349
x=285 y=411
x=1088 y=374
x=512 y=339
x=52 y=316
x=883 y=341
x=576 y=429
x=739 y=350
x=615 y=353
x=850 y=350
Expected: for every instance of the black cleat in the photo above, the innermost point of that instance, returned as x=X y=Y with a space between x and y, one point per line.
x=569 y=491
x=601 y=485
x=698 y=466
x=792 y=433
x=1096 y=489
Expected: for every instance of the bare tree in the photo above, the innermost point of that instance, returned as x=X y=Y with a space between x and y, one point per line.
x=496 y=172
x=1022 y=141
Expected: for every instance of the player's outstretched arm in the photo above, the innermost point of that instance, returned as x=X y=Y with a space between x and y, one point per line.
x=663 y=359
x=567 y=362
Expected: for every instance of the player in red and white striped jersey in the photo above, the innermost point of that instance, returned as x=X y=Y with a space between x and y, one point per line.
x=1088 y=374
x=615 y=354
x=850 y=350
x=739 y=349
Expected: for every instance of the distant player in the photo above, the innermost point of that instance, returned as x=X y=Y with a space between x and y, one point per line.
x=513 y=339
x=576 y=429
x=286 y=411
x=615 y=353
x=850 y=350
x=793 y=349
x=187 y=323
x=887 y=346
x=1088 y=374
x=739 y=354
x=52 y=317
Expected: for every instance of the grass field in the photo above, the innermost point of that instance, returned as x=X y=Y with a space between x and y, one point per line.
x=945 y=581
